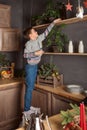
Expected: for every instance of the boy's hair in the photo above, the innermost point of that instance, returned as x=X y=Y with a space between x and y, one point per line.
x=27 y=31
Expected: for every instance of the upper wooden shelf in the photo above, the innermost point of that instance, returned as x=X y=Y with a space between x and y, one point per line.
x=66 y=21
x=67 y=54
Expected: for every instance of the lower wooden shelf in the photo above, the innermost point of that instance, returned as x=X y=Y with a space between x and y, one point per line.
x=67 y=54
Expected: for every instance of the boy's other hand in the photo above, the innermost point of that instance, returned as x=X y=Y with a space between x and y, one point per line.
x=57 y=20
x=39 y=53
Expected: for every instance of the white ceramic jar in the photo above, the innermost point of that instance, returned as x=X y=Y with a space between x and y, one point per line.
x=70 y=47
x=81 y=47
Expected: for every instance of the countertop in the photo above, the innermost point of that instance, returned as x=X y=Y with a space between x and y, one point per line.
x=60 y=90
x=5 y=83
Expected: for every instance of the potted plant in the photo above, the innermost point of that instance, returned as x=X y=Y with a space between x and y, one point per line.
x=49 y=75
x=50 y=13
x=48 y=69
x=57 y=39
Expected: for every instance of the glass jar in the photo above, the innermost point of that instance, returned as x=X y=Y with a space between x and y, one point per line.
x=70 y=47
x=81 y=47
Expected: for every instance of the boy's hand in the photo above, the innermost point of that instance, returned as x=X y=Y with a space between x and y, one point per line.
x=39 y=53
x=56 y=20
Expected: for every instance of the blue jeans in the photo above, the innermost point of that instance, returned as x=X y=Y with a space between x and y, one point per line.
x=31 y=73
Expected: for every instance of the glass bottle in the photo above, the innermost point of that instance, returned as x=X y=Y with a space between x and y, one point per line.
x=81 y=47
x=70 y=47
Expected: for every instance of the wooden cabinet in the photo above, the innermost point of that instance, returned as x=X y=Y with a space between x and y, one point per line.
x=5 y=15
x=42 y=99
x=60 y=103
x=9 y=39
x=11 y=106
x=50 y=103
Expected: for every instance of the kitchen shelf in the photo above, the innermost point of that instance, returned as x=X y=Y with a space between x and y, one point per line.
x=72 y=54
x=66 y=21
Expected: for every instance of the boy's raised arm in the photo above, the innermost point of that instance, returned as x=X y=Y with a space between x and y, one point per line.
x=48 y=29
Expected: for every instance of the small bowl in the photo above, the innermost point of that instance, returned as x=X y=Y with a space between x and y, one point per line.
x=76 y=89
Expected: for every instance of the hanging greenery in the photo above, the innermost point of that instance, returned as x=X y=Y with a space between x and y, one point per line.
x=52 y=11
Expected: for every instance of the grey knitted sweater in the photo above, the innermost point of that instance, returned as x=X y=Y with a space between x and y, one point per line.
x=32 y=46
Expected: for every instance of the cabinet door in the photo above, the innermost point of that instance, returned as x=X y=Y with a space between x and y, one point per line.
x=2 y=106
x=13 y=108
x=5 y=15
x=10 y=107
x=42 y=100
x=9 y=39
x=60 y=103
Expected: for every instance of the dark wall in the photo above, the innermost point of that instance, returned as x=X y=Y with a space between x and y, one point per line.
x=32 y=8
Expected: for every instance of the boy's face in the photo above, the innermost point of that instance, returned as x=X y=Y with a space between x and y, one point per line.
x=33 y=35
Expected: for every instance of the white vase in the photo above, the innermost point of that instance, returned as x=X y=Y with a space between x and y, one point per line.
x=81 y=47
x=70 y=47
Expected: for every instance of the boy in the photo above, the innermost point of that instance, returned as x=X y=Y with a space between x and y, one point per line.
x=33 y=52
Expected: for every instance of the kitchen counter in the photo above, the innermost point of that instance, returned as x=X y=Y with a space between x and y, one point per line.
x=60 y=90
x=6 y=83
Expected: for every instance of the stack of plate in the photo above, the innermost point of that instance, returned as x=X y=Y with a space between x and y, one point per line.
x=76 y=89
